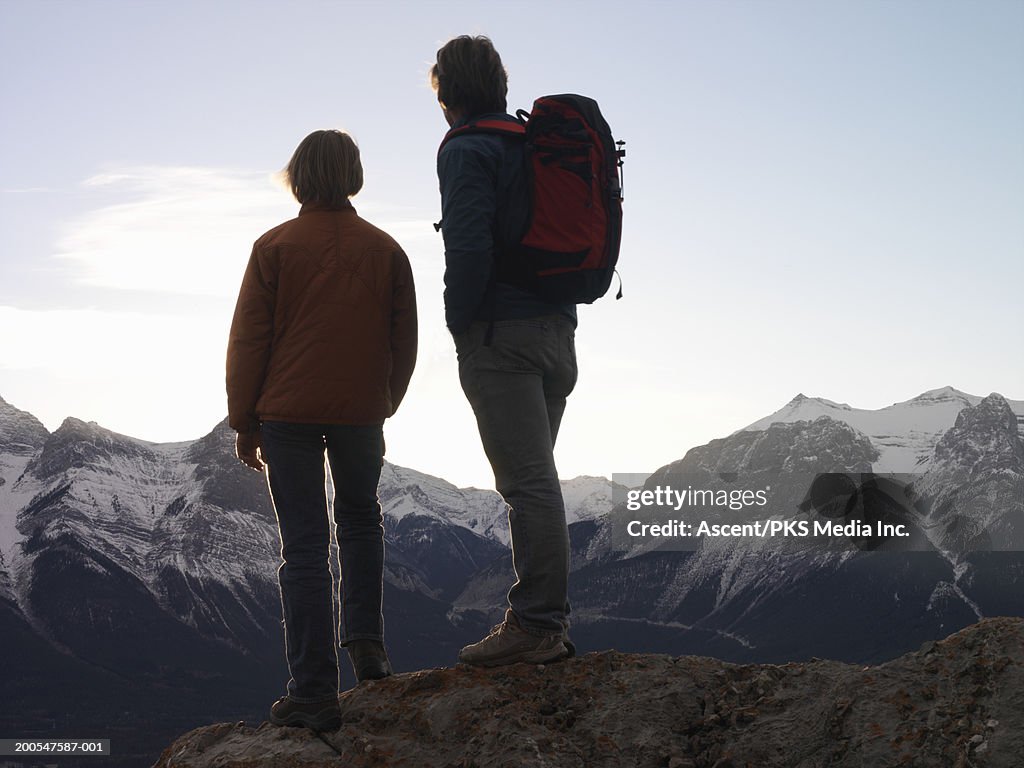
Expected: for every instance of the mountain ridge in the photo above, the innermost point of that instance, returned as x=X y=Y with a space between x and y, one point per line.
x=153 y=565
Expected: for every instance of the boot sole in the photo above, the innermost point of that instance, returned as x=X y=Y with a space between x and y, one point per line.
x=544 y=656
x=373 y=672
x=322 y=721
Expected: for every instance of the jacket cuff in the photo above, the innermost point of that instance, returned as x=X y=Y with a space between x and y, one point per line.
x=246 y=426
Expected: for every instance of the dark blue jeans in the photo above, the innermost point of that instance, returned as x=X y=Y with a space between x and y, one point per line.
x=294 y=454
x=517 y=386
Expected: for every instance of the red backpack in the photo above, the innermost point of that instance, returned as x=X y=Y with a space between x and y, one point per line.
x=570 y=245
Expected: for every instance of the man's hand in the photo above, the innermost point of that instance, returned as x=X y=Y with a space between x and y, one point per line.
x=248 y=447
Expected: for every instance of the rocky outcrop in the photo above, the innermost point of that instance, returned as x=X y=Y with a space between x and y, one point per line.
x=973 y=490
x=21 y=433
x=951 y=704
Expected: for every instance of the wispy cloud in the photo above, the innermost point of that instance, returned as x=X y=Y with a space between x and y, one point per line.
x=183 y=230
x=189 y=230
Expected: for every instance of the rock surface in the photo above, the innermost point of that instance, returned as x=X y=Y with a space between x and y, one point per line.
x=955 y=703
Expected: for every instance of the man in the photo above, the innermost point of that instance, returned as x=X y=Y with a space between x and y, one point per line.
x=516 y=352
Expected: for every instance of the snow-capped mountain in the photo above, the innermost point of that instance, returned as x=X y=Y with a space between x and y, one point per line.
x=191 y=535
x=760 y=598
x=128 y=567
x=905 y=434
x=408 y=492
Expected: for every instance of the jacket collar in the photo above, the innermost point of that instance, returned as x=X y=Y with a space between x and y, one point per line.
x=315 y=206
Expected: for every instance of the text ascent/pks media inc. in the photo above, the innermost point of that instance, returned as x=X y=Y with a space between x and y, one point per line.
x=668 y=498
x=768 y=528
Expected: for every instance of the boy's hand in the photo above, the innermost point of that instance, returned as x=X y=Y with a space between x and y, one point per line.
x=248 y=447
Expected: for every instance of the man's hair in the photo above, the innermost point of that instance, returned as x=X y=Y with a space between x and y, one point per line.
x=325 y=168
x=469 y=77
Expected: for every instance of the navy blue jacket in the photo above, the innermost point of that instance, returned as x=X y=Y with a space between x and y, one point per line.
x=482 y=180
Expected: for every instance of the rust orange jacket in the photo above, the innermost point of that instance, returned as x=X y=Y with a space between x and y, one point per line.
x=324 y=329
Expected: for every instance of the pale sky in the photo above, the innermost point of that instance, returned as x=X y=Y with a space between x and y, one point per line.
x=821 y=197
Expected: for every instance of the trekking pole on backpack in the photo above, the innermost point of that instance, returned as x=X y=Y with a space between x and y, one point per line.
x=620 y=153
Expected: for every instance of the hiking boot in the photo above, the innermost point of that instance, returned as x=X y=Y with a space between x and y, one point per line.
x=509 y=643
x=369 y=660
x=324 y=715
x=570 y=646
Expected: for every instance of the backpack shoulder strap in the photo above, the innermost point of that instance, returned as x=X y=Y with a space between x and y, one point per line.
x=501 y=127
